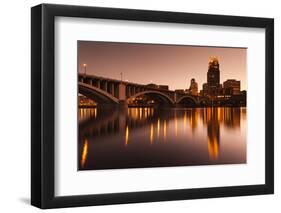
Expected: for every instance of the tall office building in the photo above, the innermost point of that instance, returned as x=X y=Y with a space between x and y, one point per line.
x=213 y=77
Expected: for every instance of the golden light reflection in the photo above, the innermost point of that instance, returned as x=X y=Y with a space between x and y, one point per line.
x=165 y=130
x=145 y=112
x=95 y=112
x=193 y=120
x=137 y=113
x=209 y=125
x=184 y=121
x=158 y=128
x=213 y=149
x=151 y=134
x=213 y=131
x=87 y=113
x=219 y=114
x=127 y=136
x=84 y=153
x=141 y=113
x=152 y=111
x=176 y=126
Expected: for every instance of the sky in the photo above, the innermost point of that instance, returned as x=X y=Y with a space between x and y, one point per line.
x=172 y=65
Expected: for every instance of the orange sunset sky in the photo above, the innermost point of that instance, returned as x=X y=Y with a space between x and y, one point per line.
x=172 y=65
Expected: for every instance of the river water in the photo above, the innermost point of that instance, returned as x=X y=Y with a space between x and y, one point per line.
x=153 y=137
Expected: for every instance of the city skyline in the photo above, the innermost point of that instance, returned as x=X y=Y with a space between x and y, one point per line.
x=154 y=114
x=136 y=61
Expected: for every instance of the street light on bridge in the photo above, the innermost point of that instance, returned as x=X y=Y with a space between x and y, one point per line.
x=85 y=68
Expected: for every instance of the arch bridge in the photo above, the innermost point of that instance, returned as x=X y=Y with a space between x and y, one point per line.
x=112 y=91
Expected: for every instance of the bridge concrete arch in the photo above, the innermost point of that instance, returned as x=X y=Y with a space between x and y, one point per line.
x=191 y=98
x=96 y=94
x=161 y=95
x=204 y=101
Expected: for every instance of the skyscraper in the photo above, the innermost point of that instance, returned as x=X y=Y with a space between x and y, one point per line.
x=193 y=89
x=213 y=77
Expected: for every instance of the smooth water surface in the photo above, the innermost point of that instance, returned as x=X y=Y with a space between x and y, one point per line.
x=153 y=137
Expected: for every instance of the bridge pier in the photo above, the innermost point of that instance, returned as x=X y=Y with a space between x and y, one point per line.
x=123 y=104
x=122 y=119
x=122 y=95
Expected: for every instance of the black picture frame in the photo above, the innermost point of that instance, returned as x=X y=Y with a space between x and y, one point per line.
x=43 y=105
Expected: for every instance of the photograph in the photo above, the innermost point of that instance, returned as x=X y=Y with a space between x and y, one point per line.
x=149 y=105
x=160 y=105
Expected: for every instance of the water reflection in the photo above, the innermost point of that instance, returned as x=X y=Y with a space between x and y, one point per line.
x=213 y=128
x=127 y=136
x=148 y=137
x=151 y=134
x=84 y=153
x=165 y=130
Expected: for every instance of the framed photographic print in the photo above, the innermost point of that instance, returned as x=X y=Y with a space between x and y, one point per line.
x=140 y=106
